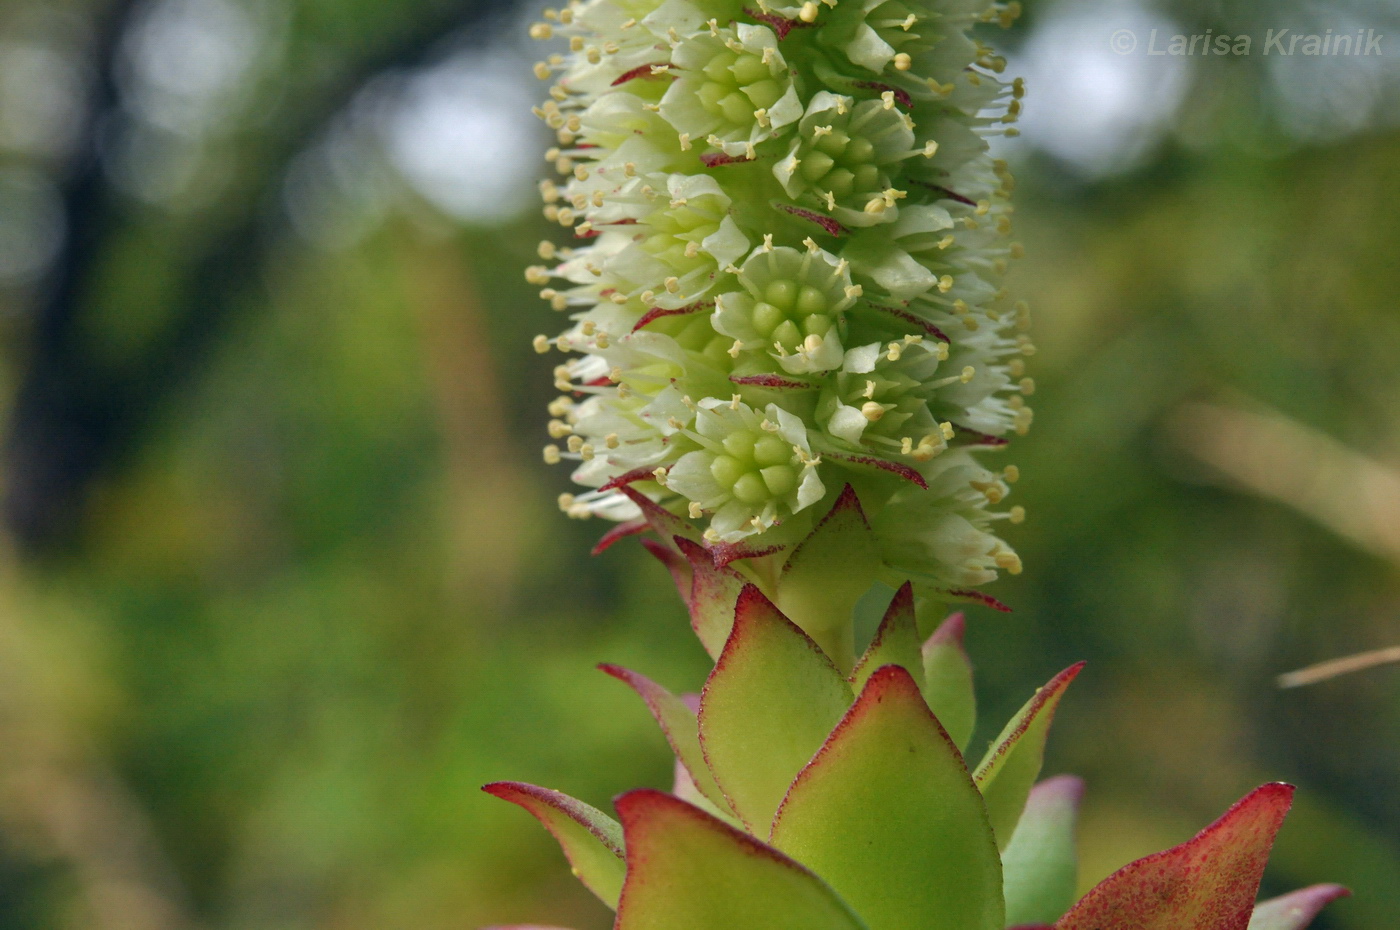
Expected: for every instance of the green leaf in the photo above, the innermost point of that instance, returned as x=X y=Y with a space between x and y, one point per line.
x=1041 y=870
x=591 y=840
x=896 y=642
x=1295 y=911
x=1012 y=763
x=714 y=590
x=680 y=726
x=948 y=680
x=767 y=707
x=887 y=814
x=827 y=573
x=1208 y=883
x=689 y=871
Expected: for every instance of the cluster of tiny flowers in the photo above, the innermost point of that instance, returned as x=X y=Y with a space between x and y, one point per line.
x=789 y=240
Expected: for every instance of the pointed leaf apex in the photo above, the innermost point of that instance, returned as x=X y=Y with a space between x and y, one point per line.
x=896 y=641
x=847 y=500
x=751 y=599
x=591 y=840
x=1013 y=761
x=903 y=599
x=1030 y=714
x=678 y=724
x=950 y=631
x=1295 y=911
x=617 y=534
x=1068 y=787
x=710 y=596
x=533 y=798
x=1206 y=883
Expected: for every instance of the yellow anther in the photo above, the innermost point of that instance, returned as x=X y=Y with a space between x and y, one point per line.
x=968 y=373
x=902 y=62
x=541 y=344
x=551 y=455
x=1017 y=514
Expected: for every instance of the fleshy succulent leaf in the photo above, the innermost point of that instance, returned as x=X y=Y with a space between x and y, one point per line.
x=1040 y=866
x=1207 y=883
x=689 y=871
x=896 y=641
x=1012 y=763
x=948 y=680
x=887 y=814
x=591 y=840
x=1295 y=911
x=714 y=590
x=767 y=707
x=827 y=573
x=678 y=723
x=665 y=524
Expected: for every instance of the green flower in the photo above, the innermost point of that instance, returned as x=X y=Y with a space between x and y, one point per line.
x=785 y=213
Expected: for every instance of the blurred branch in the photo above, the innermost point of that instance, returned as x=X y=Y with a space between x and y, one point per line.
x=1277 y=457
x=1281 y=459
x=1337 y=667
x=75 y=417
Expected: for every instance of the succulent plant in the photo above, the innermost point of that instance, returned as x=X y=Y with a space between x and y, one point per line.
x=789 y=343
x=811 y=794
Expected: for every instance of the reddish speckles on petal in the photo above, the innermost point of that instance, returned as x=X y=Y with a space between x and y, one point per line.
x=971 y=437
x=772 y=381
x=895 y=468
x=977 y=597
x=643 y=71
x=828 y=225
x=656 y=313
x=716 y=159
x=780 y=26
x=940 y=189
x=912 y=319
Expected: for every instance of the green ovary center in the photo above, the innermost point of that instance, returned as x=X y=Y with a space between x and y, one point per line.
x=755 y=467
x=789 y=312
x=841 y=164
x=736 y=84
x=694 y=332
x=677 y=233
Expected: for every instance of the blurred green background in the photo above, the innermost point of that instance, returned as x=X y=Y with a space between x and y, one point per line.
x=282 y=579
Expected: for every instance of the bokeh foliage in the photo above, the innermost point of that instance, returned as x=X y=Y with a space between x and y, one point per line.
x=285 y=583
